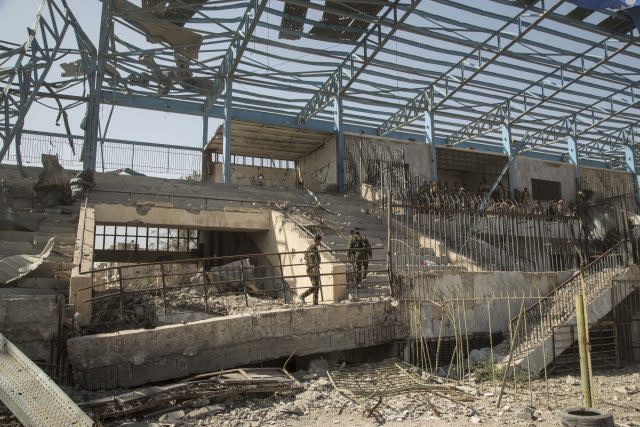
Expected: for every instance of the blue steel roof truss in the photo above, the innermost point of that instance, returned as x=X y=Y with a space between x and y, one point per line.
x=546 y=68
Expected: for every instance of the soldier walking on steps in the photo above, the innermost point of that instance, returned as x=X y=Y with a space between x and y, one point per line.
x=359 y=254
x=312 y=259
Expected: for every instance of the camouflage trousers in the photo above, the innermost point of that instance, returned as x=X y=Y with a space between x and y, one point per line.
x=314 y=276
x=360 y=268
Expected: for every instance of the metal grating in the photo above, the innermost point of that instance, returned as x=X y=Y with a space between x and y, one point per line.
x=388 y=378
x=31 y=395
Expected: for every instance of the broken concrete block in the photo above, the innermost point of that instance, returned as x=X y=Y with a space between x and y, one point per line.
x=215 y=409
x=571 y=380
x=318 y=367
x=627 y=389
x=199 y=403
x=526 y=414
x=293 y=410
x=173 y=416
x=198 y=413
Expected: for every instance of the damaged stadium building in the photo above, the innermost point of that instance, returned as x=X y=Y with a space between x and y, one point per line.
x=309 y=213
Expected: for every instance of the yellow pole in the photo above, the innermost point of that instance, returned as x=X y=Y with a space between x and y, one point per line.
x=586 y=331
x=587 y=400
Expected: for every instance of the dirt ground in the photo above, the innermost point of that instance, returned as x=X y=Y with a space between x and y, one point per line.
x=318 y=404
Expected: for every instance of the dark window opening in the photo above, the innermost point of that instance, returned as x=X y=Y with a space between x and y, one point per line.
x=542 y=189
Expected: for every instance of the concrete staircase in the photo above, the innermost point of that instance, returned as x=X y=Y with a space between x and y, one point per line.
x=31 y=307
x=333 y=216
x=541 y=333
x=29 y=233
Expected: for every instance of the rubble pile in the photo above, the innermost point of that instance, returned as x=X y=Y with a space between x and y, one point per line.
x=138 y=311
x=317 y=401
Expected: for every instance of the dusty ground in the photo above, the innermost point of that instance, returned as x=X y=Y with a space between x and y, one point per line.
x=319 y=404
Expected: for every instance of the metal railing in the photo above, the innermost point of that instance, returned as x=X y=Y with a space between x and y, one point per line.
x=145 y=295
x=167 y=161
x=558 y=306
x=476 y=241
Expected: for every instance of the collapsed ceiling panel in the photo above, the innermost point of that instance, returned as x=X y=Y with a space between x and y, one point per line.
x=184 y=41
x=261 y=140
x=292 y=11
x=352 y=27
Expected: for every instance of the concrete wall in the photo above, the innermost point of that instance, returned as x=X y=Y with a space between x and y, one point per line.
x=31 y=319
x=317 y=170
x=284 y=236
x=485 y=293
x=417 y=154
x=525 y=169
x=606 y=183
x=248 y=175
x=231 y=219
x=130 y=358
x=480 y=290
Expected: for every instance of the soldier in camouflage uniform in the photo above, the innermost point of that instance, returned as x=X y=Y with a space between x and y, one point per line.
x=312 y=259
x=359 y=253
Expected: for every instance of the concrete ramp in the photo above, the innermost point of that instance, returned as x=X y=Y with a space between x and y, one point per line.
x=135 y=357
x=31 y=395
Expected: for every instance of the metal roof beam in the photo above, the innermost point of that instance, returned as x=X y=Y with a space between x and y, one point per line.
x=355 y=63
x=234 y=53
x=585 y=120
x=427 y=98
x=528 y=99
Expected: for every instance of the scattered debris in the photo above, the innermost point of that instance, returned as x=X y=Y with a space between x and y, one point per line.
x=31 y=395
x=17 y=266
x=190 y=398
x=52 y=187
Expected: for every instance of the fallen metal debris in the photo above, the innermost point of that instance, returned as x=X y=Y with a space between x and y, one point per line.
x=390 y=378
x=367 y=384
x=52 y=187
x=16 y=266
x=31 y=395
x=214 y=386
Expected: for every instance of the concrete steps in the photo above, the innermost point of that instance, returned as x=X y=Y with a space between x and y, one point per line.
x=31 y=308
x=44 y=283
x=37 y=237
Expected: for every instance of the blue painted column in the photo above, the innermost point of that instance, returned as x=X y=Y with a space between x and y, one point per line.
x=430 y=139
x=226 y=136
x=632 y=168
x=338 y=126
x=506 y=146
x=95 y=78
x=205 y=129
x=572 y=151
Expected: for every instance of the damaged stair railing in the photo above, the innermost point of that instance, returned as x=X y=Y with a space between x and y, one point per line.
x=558 y=305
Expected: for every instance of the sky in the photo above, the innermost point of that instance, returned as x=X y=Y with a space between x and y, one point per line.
x=126 y=123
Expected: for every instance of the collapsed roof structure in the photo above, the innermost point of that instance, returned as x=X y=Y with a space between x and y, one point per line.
x=553 y=79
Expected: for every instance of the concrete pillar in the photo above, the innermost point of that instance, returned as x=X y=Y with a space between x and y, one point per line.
x=226 y=137
x=506 y=146
x=430 y=139
x=80 y=281
x=337 y=115
x=572 y=151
